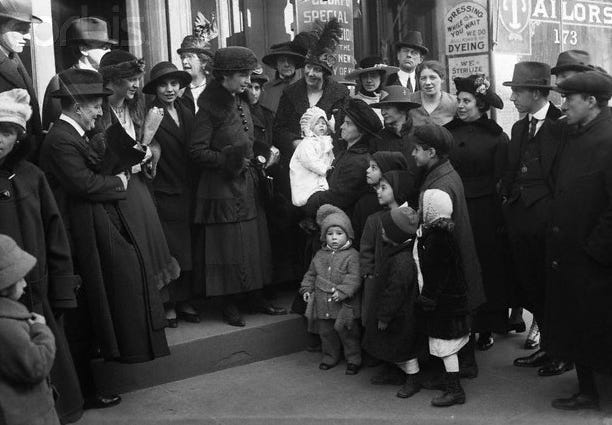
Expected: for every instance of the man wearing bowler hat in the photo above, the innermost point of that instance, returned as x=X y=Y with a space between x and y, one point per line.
x=285 y=59
x=16 y=21
x=410 y=52
x=527 y=189
x=72 y=165
x=87 y=41
x=578 y=317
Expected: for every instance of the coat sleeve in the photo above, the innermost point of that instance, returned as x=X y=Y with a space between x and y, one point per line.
x=69 y=168
x=200 y=150
x=395 y=291
x=26 y=357
x=351 y=282
x=435 y=260
x=347 y=184
x=509 y=168
x=285 y=130
x=599 y=242
x=62 y=280
x=367 y=245
x=51 y=108
x=309 y=278
x=306 y=154
x=501 y=155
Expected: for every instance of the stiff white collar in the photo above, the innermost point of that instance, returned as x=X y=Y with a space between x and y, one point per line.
x=73 y=123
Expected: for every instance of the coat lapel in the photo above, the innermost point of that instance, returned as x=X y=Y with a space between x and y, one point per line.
x=9 y=71
x=551 y=140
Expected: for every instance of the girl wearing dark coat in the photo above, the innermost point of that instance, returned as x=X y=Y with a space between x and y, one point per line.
x=173 y=184
x=30 y=215
x=391 y=330
x=443 y=295
x=478 y=155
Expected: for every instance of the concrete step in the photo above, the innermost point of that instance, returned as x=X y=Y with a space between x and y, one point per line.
x=208 y=346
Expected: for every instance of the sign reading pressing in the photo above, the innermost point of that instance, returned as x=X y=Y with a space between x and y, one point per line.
x=467 y=32
x=309 y=11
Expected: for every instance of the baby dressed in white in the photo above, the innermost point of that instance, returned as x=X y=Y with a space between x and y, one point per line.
x=312 y=158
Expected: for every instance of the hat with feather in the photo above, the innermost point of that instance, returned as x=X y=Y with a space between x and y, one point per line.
x=203 y=32
x=321 y=42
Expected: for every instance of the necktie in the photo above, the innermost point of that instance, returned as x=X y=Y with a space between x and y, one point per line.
x=409 y=85
x=532 y=127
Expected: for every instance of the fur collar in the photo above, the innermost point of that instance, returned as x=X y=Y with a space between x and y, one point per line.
x=216 y=95
x=10 y=309
x=483 y=122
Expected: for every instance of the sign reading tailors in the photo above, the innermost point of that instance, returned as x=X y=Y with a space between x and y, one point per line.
x=309 y=11
x=466 y=26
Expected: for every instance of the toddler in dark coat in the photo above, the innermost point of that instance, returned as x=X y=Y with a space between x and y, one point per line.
x=27 y=346
x=330 y=288
x=443 y=295
x=391 y=332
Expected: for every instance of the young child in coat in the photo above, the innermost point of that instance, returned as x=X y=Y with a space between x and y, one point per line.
x=27 y=346
x=330 y=288
x=312 y=158
x=391 y=331
x=443 y=290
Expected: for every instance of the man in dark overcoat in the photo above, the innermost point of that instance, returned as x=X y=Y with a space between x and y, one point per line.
x=410 y=52
x=16 y=21
x=526 y=190
x=578 y=316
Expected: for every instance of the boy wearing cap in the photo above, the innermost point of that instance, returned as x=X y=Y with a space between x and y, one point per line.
x=578 y=317
x=433 y=144
x=28 y=346
x=526 y=190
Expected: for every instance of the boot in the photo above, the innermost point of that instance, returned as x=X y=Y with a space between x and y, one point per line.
x=467 y=360
x=410 y=387
x=453 y=393
x=533 y=337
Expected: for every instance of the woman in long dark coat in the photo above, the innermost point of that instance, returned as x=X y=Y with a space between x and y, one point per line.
x=236 y=245
x=173 y=184
x=478 y=155
x=29 y=214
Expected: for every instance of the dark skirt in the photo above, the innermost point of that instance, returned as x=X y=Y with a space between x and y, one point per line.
x=446 y=326
x=237 y=256
x=493 y=253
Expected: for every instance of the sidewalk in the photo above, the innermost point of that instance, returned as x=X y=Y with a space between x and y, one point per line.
x=292 y=390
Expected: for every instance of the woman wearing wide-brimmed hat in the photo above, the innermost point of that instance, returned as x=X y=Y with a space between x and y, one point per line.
x=479 y=155
x=286 y=59
x=437 y=106
x=370 y=76
x=235 y=246
x=196 y=57
x=173 y=183
x=122 y=73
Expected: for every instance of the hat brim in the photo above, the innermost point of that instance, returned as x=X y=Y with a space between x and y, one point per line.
x=527 y=85
x=22 y=18
x=96 y=93
x=387 y=69
x=411 y=105
x=22 y=263
x=195 y=50
x=182 y=76
x=570 y=67
x=270 y=58
x=424 y=50
x=89 y=40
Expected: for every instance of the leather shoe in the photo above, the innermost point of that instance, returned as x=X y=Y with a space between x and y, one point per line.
x=555 y=367
x=101 y=402
x=325 y=366
x=352 y=369
x=188 y=317
x=537 y=359
x=531 y=344
x=485 y=341
x=270 y=309
x=576 y=402
x=232 y=316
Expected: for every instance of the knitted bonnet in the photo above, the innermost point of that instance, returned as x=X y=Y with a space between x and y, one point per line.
x=15 y=107
x=436 y=204
x=329 y=215
x=15 y=263
x=309 y=119
x=400 y=223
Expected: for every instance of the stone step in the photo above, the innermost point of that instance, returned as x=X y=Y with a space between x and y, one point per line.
x=208 y=346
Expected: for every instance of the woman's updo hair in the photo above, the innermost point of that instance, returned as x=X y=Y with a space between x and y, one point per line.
x=435 y=66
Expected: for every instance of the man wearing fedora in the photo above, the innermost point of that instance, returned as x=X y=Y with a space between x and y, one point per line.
x=87 y=41
x=196 y=56
x=16 y=20
x=578 y=317
x=285 y=58
x=527 y=191
x=569 y=63
x=72 y=165
x=410 y=52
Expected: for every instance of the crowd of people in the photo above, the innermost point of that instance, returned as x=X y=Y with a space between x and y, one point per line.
x=405 y=215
